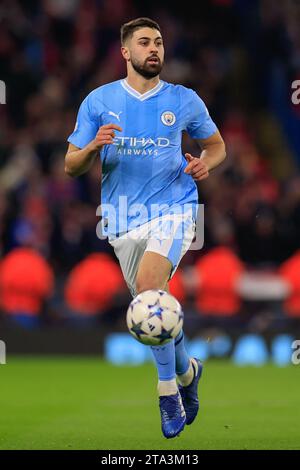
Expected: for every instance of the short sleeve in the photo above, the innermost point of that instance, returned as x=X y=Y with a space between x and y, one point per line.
x=86 y=126
x=200 y=125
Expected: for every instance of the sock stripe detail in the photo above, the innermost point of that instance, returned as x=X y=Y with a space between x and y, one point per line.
x=179 y=340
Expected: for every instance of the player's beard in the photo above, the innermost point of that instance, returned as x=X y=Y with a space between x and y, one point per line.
x=146 y=69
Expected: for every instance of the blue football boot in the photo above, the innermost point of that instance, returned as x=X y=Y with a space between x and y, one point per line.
x=189 y=394
x=172 y=415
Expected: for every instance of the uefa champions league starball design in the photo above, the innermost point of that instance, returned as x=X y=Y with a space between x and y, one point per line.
x=154 y=317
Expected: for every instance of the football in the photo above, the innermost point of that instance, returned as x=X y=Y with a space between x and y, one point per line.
x=154 y=317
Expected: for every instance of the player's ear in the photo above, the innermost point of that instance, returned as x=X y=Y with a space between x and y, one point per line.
x=125 y=53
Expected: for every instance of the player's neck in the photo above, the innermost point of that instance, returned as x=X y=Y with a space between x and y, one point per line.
x=141 y=84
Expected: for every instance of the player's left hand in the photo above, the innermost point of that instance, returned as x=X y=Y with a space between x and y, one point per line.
x=196 y=168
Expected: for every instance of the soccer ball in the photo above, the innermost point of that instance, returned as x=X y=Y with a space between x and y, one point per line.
x=154 y=317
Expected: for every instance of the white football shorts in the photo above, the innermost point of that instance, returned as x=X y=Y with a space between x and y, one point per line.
x=169 y=235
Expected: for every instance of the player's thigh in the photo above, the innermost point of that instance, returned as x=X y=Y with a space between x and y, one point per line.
x=153 y=272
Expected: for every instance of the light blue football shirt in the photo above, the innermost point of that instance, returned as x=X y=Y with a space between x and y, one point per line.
x=143 y=170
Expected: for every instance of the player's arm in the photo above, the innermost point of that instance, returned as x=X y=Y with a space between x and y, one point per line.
x=213 y=153
x=79 y=161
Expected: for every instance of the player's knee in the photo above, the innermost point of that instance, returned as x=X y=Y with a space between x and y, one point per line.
x=147 y=283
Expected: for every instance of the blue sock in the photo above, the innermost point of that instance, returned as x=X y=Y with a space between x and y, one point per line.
x=181 y=355
x=165 y=360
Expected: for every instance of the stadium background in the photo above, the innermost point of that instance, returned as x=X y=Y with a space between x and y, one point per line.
x=61 y=287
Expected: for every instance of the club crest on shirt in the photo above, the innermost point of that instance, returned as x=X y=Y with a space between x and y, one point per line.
x=168 y=118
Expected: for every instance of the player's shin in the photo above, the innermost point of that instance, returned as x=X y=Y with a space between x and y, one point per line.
x=165 y=362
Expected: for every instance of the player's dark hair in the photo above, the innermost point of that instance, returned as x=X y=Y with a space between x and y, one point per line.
x=129 y=28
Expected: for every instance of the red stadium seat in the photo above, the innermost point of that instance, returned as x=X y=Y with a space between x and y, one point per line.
x=176 y=286
x=290 y=271
x=218 y=272
x=92 y=284
x=26 y=280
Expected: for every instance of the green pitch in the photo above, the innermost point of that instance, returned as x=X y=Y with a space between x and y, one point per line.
x=84 y=403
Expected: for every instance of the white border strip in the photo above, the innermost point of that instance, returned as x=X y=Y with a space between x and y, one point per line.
x=141 y=96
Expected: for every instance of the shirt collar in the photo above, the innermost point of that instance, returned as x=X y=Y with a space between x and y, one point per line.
x=141 y=96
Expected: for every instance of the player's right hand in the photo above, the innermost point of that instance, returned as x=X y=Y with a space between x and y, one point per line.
x=105 y=135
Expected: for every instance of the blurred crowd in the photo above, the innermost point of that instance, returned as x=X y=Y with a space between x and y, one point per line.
x=237 y=54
